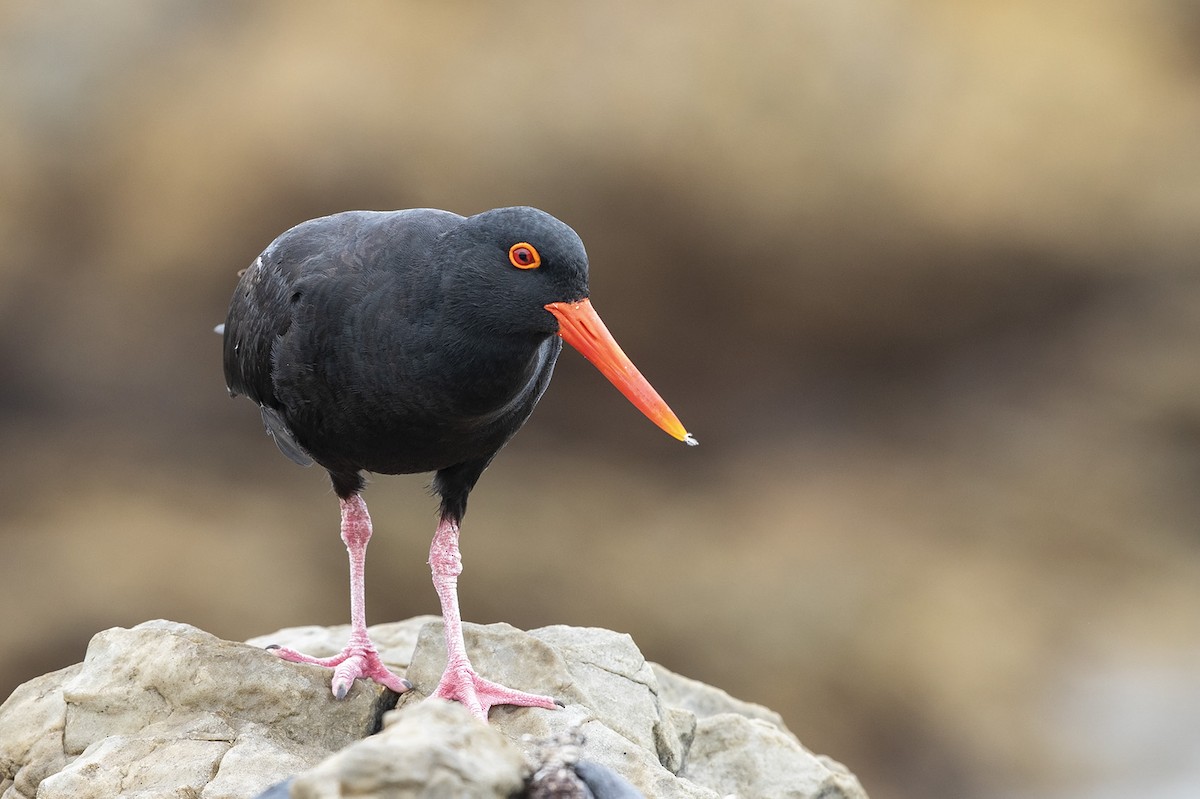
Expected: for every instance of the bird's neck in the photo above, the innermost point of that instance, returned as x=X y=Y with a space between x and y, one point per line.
x=504 y=363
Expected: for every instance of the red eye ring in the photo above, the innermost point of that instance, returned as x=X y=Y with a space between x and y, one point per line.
x=524 y=255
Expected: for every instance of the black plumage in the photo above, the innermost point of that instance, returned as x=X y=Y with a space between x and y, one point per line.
x=401 y=342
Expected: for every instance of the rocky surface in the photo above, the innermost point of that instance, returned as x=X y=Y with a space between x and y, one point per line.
x=165 y=709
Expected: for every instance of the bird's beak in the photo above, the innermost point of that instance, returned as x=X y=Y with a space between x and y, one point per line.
x=581 y=327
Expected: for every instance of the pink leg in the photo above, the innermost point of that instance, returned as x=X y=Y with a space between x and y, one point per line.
x=460 y=682
x=359 y=658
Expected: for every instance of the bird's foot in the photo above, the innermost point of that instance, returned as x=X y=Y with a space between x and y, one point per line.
x=358 y=659
x=461 y=684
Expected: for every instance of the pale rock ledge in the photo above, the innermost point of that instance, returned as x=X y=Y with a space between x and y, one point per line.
x=167 y=710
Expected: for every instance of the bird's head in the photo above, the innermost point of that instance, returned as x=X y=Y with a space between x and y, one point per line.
x=524 y=272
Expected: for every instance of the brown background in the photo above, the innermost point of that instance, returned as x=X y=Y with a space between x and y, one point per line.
x=919 y=274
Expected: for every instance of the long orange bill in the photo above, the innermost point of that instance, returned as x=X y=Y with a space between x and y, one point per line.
x=581 y=327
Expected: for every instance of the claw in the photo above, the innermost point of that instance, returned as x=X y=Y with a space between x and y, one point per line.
x=479 y=695
x=353 y=662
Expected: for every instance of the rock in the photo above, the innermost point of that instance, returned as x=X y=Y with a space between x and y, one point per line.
x=609 y=689
x=743 y=748
x=751 y=757
x=432 y=749
x=167 y=672
x=703 y=700
x=164 y=709
x=31 y=733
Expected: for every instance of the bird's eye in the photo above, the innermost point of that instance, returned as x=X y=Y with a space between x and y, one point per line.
x=524 y=255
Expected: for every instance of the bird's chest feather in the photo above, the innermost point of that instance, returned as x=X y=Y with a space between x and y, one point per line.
x=414 y=396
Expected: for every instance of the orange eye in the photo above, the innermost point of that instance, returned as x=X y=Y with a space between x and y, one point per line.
x=524 y=255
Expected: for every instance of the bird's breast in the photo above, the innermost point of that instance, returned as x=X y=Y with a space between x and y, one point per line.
x=398 y=413
x=491 y=383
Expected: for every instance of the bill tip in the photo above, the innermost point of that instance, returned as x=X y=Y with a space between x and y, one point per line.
x=690 y=440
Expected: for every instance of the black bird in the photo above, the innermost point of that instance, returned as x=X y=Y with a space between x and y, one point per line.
x=399 y=342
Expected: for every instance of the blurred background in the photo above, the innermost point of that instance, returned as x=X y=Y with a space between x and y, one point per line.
x=919 y=274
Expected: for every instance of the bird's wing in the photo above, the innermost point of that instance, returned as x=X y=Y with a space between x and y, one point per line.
x=258 y=316
x=277 y=428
